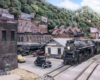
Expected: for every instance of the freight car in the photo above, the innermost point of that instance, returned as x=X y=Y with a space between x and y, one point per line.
x=77 y=50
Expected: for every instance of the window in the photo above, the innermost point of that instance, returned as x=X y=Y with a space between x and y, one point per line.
x=3 y=35
x=27 y=39
x=41 y=32
x=59 y=50
x=12 y=35
x=49 y=50
x=44 y=31
x=21 y=39
x=20 y=24
x=30 y=39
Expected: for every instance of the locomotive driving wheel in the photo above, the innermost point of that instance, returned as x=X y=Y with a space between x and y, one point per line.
x=80 y=58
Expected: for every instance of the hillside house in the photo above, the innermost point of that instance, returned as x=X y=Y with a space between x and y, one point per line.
x=61 y=32
x=94 y=32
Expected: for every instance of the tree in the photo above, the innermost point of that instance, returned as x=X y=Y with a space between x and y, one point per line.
x=40 y=11
x=35 y=7
x=44 y=8
x=15 y=11
x=82 y=25
x=38 y=17
x=57 y=22
x=65 y=18
x=39 y=4
x=45 y=3
x=51 y=25
x=59 y=15
x=49 y=14
x=30 y=2
x=5 y=3
x=23 y=1
x=27 y=9
x=16 y=3
x=55 y=16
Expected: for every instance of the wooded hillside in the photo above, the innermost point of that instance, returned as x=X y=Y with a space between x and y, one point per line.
x=82 y=18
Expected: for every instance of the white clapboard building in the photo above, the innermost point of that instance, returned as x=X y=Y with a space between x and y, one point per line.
x=56 y=46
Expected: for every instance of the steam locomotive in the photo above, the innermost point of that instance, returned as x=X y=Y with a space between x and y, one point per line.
x=77 y=50
x=26 y=48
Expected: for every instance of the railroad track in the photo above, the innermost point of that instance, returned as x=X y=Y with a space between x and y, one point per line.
x=76 y=78
x=50 y=75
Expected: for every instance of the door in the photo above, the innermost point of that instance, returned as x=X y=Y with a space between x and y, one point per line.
x=59 y=50
x=49 y=50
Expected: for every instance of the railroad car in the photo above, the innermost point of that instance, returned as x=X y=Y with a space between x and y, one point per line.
x=77 y=50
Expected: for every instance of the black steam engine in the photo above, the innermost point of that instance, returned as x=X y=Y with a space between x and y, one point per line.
x=78 y=50
x=26 y=48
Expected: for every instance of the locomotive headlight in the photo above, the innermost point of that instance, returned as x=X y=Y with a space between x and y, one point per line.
x=68 y=48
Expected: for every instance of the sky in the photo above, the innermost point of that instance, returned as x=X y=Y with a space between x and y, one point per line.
x=76 y=4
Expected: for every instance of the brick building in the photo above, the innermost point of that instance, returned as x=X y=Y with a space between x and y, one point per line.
x=8 y=44
x=35 y=38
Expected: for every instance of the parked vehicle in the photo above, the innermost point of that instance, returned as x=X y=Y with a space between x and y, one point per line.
x=38 y=52
x=21 y=59
x=41 y=61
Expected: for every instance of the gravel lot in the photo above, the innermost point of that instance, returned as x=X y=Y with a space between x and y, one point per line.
x=29 y=65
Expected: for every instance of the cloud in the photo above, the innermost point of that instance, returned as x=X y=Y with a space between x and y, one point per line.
x=94 y=4
x=68 y=4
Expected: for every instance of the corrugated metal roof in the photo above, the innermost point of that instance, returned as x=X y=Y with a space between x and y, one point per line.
x=62 y=41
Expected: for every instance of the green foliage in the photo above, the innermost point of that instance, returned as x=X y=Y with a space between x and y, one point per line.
x=44 y=8
x=5 y=3
x=38 y=17
x=55 y=15
x=39 y=4
x=15 y=3
x=30 y=2
x=57 y=22
x=51 y=25
x=23 y=1
x=35 y=7
x=27 y=9
x=90 y=37
x=15 y=11
x=40 y=11
x=49 y=14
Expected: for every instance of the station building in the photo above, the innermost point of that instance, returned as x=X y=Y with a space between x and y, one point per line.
x=56 y=46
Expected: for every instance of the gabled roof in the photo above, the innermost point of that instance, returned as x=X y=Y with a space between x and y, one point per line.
x=78 y=30
x=75 y=28
x=54 y=32
x=61 y=32
x=62 y=41
x=56 y=27
x=61 y=27
x=68 y=28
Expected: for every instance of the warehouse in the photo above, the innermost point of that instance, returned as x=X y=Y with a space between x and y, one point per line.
x=56 y=46
x=8 y=44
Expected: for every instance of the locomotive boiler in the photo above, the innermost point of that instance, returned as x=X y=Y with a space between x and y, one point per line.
x=76 y=51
